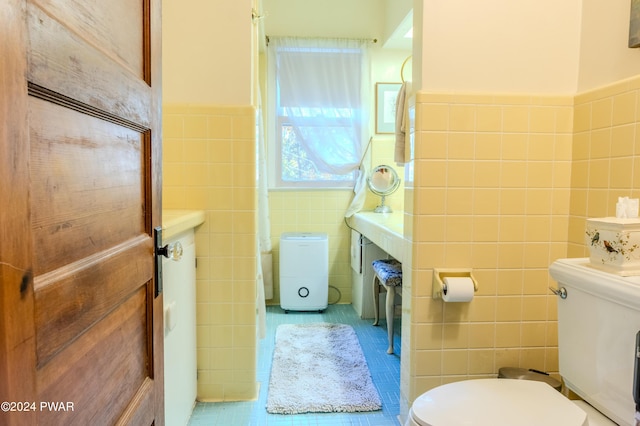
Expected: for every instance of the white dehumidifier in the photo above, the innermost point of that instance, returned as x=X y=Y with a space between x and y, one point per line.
x=304 y=271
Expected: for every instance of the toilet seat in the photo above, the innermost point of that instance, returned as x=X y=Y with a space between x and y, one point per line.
x=495 y=402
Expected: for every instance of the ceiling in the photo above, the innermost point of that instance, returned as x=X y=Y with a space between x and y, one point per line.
x=386 y=21
x=398 y=39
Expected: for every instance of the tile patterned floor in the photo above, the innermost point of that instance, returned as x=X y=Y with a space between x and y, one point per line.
x=384 y=368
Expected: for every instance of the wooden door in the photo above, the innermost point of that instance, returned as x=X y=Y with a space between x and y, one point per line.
x=80 y=322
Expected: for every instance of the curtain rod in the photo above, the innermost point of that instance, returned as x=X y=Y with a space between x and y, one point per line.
x=372 y=40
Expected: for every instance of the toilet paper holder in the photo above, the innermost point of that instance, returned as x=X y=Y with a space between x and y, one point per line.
x=440 y=274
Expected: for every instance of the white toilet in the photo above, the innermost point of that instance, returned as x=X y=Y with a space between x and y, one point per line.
x=597 y=326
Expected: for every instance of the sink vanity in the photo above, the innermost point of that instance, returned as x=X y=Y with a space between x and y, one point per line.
x=386 y=230
x=175 y=222
x=374 y=236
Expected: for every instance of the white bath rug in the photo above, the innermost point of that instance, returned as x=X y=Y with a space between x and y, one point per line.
x=319 y=368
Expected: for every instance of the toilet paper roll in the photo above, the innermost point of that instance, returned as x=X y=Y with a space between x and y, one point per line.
x=458 y=289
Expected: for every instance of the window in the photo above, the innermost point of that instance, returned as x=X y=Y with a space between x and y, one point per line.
x=318 y=112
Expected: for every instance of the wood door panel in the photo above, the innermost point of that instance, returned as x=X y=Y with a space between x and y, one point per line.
x=96 y=372
x=80 y=162
x=88 y=188
x=17 y=335
x=140 y=410
x=117 y=29
x=65 y=63
x=69 y=301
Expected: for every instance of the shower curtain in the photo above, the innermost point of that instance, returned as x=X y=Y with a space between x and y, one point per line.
x=265 y=255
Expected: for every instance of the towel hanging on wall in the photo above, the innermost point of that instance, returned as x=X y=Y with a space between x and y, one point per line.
x=401 y=124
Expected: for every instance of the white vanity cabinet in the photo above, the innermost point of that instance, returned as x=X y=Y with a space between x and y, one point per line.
x=179 y=298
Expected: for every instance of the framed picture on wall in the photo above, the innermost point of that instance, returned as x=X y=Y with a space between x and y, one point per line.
x=386 y=95
x=634 y=24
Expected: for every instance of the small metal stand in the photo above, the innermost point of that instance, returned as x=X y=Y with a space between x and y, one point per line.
x=383 y=181
x=382 y=208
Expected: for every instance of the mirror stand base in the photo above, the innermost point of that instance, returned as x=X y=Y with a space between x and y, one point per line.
x=382 y=209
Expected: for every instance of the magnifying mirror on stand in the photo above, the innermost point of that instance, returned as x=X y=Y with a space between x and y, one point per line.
x=383 y=181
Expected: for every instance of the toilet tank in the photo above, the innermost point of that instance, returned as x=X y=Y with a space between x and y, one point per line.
x=597 y=326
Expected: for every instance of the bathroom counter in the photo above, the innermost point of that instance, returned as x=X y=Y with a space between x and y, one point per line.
x=386 y=230
x=176 y=221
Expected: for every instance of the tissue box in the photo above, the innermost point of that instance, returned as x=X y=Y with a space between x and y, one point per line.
x=614 y=245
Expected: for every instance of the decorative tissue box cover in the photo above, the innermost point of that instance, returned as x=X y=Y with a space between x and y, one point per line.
x=614 y=244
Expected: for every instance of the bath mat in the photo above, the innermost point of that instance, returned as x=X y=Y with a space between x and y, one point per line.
x=319 y=368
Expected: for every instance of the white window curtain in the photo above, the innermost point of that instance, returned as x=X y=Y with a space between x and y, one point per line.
x=322 y=92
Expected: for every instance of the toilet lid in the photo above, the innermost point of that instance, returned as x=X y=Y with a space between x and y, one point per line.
x=496 y=402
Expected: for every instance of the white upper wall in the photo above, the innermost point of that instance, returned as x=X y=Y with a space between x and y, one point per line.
x=604 y=53
x=356 y=19
x=529 y=46
x=206 y=52
x=360 y=19
x=497 y=46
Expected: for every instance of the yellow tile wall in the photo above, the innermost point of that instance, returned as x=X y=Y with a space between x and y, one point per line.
x=209 y=164
x=489 y=191
x=498 y=183
x=606 y=155
x=323 y=211
x=314 y=211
